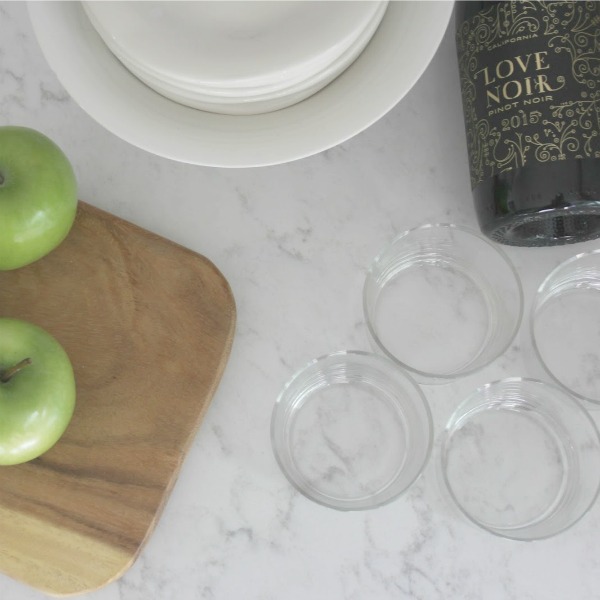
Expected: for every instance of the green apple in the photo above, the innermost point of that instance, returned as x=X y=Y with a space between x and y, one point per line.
x=37 y=391
x=38 y=196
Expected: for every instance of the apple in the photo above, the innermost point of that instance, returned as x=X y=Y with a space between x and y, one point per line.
x=38 y=196
x=37 y=391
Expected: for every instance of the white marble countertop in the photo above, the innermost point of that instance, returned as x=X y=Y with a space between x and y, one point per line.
x=294 y=242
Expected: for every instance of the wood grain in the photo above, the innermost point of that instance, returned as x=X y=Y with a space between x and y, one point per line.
x=148 y=326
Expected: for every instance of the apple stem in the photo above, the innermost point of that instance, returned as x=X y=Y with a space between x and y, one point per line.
x=6 y=376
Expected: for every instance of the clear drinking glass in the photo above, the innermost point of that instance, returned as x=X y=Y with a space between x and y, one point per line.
x=351 y=431
x=442 y=301
x=521 y=459
x=565 y=325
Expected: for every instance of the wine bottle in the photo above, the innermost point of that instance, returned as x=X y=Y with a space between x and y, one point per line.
x=530 y=84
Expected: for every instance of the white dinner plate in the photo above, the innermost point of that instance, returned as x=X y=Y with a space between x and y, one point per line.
x=386 y=70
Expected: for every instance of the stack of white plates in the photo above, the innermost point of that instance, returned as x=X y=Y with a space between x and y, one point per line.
x=244 y=57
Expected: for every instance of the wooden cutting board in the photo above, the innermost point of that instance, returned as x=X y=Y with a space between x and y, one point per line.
x=148 y=326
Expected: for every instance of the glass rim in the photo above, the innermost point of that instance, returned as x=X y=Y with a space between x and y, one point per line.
x=444 y=438
x=352 y=504
x=430 y=376
x=537 y=304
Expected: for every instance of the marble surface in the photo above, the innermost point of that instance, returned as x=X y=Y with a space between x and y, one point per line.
x=294 y=241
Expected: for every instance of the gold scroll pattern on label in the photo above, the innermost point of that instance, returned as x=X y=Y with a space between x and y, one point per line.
x=530 y=80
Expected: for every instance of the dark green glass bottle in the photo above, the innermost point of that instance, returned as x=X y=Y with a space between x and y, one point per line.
x=530 y=83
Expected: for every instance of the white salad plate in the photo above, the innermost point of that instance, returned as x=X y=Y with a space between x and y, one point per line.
x=236 y=57
x=392 y=62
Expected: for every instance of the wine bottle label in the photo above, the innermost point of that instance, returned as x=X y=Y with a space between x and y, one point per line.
x=530 y=82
